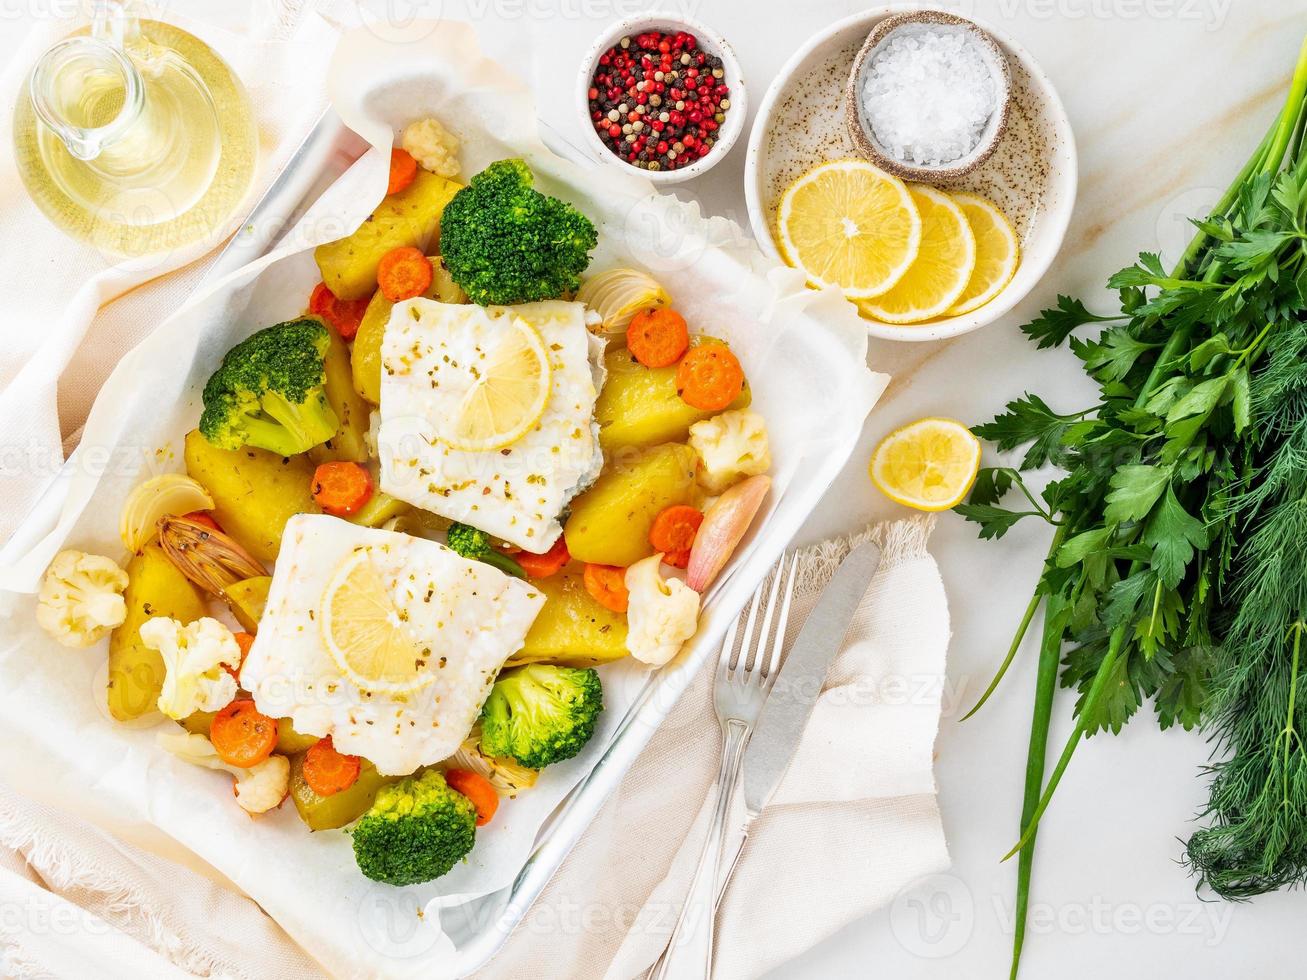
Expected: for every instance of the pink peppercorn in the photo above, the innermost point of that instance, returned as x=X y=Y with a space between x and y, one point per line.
x=675 y=88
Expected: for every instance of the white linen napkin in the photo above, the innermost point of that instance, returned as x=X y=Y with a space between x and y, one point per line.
x=71 y=310
x=854 y=821
x=79 y=903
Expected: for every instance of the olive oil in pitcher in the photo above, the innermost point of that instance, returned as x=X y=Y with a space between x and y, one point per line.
x=136 y=137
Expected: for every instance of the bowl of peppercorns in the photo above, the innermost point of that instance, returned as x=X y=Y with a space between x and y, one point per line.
x=662 y=95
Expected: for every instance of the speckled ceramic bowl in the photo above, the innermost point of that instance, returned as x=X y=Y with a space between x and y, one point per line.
x=860 y=129
x=1031 y=175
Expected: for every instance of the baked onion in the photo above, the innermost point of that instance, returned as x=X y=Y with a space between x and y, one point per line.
x=618 y=295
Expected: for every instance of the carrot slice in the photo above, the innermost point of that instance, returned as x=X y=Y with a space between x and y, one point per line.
x=542 y=566
x=403 y=170
x=341 y=487
x=476 y=788
x=677 y=559
x=709 y=378
x=403 y=273
x=657 y=337
x=607 y=583
x=244 y=641
x=203 y=517
x=327 y=771
x=344 y=315
x=674 y=529
x=242 y=735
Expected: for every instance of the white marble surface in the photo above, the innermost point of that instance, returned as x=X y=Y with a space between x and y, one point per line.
x=1167 y=98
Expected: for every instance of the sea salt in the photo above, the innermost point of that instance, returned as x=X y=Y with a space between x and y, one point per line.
x=928 y=94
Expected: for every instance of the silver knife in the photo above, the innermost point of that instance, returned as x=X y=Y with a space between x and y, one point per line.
x=798 y=685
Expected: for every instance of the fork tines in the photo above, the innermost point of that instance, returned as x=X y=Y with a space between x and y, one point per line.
x=760 y=649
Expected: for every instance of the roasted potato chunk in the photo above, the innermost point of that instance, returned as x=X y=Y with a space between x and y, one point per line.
x=291 y=742
x=246 y=600
x=639 y=406
x=572 y=629
x=255 y=492
x=348 y=443
x=380 y=508
x=154 y=588
x=339 y=809
x=610 y=522
x=409 y=217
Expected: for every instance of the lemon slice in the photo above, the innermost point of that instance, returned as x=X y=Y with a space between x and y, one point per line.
x=850 y=225
x=365 y=633
x=943 y=266
x=929 y=464
x=509 y=396
x=997 y=252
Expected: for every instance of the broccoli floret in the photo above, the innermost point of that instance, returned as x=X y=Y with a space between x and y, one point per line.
x=470 y=542
x=504 y=242
x=268 y=391
x=416 y=830
x=541 y=714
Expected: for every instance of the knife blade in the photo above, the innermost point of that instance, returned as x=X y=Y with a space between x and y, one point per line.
x=803 y=674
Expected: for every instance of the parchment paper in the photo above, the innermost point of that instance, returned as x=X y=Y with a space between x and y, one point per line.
x=803 y=351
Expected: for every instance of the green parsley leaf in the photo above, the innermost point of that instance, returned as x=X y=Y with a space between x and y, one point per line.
x=1135 y=488
x=1052 y=327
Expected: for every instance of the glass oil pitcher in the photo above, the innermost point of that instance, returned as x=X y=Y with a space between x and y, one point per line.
x=135 y=136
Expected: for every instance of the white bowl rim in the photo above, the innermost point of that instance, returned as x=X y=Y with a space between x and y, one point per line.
x=1060 y=216
x=994 y=126
x=735 y=117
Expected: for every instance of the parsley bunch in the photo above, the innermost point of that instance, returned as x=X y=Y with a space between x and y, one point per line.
x=1174 y=575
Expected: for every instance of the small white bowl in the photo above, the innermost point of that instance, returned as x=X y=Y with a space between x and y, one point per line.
x=801 y=123
x=711 y=42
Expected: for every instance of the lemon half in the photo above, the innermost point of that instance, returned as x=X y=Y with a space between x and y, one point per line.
x=850 y=225
x=942 y=268
x=365 y=633
x=997 y=252
x=510 y=395
x=929 y=464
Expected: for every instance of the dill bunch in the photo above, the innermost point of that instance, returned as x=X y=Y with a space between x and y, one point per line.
x=1257 y=706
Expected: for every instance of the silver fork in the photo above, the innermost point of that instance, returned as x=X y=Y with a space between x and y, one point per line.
x=739 y=690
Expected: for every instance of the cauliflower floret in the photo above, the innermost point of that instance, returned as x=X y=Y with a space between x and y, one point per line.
x=81 y=598
x=433 y=146
x=194 y=657
x=259 y=788
x=662 y=614
x=732 y=445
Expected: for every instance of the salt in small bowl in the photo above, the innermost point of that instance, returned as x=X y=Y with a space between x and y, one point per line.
x=864 y=137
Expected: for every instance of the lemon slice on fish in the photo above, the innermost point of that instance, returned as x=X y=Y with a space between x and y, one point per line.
x=365 y=631
x=509 y=395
